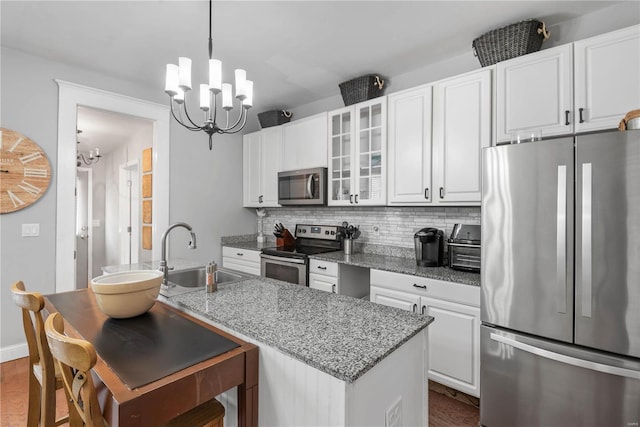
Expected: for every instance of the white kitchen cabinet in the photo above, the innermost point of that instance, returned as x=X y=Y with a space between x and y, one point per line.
x=357 y=154
x=244 y=260
x=606 y=79
x=454 y=336
x=535 y=93
x=305 y=143
x=397 y=299
x=409 y=139
x=323 y=275
x=461 y=129
x=262 y=160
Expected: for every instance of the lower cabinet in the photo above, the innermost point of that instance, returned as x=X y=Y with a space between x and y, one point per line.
x=244 y=260
x=323 y=275
x=454 y=336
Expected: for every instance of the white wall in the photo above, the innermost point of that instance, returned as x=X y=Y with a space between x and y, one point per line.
x=207 y=186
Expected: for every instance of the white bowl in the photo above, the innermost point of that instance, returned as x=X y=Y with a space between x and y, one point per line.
x=128 y=293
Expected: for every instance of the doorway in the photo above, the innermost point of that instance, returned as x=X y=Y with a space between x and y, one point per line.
x=71 y=96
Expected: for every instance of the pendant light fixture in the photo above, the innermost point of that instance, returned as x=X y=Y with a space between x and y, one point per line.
x=178 y=83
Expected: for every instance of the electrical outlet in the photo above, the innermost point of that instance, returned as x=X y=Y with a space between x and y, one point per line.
x=30 y=230
x=393 y=416
x=376 y=230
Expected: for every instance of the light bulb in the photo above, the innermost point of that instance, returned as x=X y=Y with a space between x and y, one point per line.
x=227 y=99
x=248 y=101
x=184 y=68
x=204 y=97
x=171 y=85
x=241 y=79
x=215 y=75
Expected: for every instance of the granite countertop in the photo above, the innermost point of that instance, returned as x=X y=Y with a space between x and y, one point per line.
x=339 y=335
x=401 y=265
x=391 y=260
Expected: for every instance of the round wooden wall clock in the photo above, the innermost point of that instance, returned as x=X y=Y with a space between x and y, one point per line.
x=25 y=171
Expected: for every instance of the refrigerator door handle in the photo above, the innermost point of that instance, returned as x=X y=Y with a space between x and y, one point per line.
x=561 y=241
x=585 y=267
x=562 y=358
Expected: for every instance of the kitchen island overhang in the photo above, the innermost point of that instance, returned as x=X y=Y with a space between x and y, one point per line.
x=325 y=359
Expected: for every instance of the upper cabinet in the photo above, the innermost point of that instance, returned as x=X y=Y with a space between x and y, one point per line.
x=461 y=128
x=435 y=155
x=357 y=154
x=534 y=92
x=606 y=79
x=409 y=151
x=305 y=143
x=584 y=86
x=262 y=160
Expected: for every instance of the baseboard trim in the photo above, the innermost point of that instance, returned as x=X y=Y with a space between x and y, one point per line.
x=13 y=352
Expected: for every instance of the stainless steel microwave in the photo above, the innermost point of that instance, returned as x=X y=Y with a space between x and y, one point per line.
x=303 y=187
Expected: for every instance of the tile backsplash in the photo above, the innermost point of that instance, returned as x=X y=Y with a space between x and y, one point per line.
x=396 y=225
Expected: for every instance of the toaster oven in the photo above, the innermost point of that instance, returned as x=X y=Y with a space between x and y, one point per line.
x=464 y=248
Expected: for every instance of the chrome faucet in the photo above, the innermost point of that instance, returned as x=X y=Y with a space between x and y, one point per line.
x=163 y=262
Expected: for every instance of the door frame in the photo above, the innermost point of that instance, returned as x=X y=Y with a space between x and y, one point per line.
x=70 y=96
x=89 y=173
x=130 y=171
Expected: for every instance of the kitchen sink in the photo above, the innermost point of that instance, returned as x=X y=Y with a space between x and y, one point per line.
x=191 y=279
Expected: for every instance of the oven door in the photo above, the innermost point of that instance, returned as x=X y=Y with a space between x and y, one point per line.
x=292 y=270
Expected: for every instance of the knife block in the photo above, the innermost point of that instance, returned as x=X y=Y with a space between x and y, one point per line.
x=286 y=240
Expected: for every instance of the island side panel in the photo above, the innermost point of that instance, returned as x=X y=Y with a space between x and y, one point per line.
x=291 y=393
x=400 y=377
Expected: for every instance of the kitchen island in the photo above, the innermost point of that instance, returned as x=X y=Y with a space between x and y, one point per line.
x=325 y=359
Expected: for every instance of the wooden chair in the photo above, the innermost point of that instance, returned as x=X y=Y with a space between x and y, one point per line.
x=76 y=359
x=44 y=378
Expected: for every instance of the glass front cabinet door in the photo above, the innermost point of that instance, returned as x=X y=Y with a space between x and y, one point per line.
x=357 y=154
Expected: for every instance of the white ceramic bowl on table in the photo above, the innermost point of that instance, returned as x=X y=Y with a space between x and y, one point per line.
x=128 y=293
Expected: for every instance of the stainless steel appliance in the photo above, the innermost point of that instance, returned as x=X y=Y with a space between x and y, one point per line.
x=302 y=187
x=291 y=263
x=429 y=245
x=464 y=247
x=560 y=334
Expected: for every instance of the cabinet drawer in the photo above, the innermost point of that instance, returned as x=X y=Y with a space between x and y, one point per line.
x=241 y=254
x=323 y=267
x=450 y=291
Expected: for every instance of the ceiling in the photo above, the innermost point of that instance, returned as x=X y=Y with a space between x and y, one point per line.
x=296 y=52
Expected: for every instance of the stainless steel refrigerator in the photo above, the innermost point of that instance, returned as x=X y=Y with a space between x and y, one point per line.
x=560 y=334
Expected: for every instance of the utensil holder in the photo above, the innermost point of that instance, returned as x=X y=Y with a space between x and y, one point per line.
x=348 y=246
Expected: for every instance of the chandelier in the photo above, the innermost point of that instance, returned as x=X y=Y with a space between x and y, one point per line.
x=178 y=83
x=90 y=158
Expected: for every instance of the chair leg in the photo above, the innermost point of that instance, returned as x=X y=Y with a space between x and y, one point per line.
x=33 y=416
x=48 y=401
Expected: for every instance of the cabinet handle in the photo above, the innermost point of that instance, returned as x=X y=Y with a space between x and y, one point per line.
x=424 y=310
x=356 y=199
x=351 y=198
x=581 y=110
x=240 y=254
x=420 y=286
x=321 y=267
x=259 y=199
x=442 y=192
x=566 y=117
x=415 y=308
x=333 y=289
x=426 y=193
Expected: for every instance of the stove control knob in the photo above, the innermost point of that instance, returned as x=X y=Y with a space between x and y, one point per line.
x=326 y=232
x=333 y=232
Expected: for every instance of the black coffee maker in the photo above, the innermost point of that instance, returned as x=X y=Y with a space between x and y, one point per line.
x=429 y=244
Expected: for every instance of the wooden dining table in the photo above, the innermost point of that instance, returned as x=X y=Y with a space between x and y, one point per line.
x=164 y=398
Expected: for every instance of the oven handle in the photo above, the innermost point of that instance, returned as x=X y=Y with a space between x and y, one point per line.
x=282 y=259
